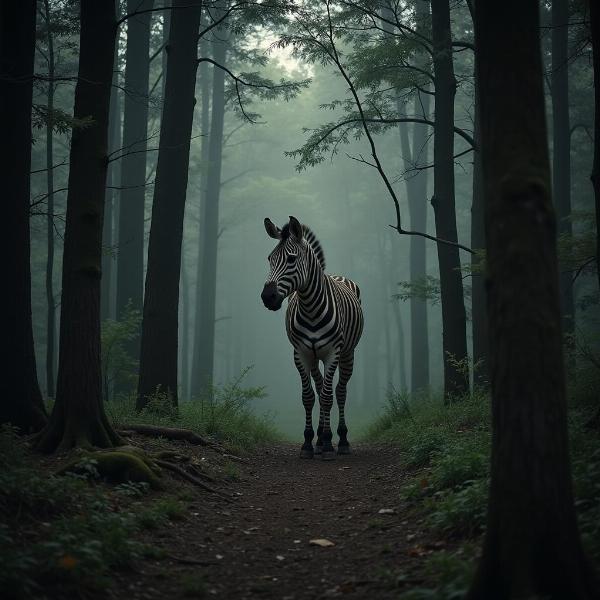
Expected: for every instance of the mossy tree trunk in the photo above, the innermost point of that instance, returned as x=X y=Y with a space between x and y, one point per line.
x=20 y=397
x=532 y=547
x=158 y=355
x=78 y=418
x=454 y=318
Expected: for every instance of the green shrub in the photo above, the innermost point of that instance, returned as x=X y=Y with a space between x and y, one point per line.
x=223 y=412
x=460 y=512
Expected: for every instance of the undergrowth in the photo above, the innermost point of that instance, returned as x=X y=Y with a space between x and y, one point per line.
x=224 y=412
x=61 y=536
x=445 y=449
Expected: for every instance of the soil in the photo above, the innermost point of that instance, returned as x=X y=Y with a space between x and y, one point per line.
x=259 y=544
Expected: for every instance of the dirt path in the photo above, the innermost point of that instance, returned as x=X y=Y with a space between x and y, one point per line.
x=258 y=546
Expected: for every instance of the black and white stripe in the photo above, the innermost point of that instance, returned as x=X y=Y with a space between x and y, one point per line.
x=324 y=322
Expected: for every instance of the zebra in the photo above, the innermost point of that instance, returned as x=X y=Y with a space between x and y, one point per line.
x=324 y=322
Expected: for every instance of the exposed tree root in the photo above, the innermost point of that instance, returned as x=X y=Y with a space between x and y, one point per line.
x=191 y=478
x=174 y=433
x=118 y=465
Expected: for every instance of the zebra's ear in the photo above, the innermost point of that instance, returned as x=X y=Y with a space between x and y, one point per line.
x=272 y=229
x=296 y=228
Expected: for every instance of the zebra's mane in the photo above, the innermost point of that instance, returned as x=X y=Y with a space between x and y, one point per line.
x=311 y=240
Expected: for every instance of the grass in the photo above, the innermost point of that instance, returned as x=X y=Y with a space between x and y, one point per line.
x=446 y=449
x=223 y=412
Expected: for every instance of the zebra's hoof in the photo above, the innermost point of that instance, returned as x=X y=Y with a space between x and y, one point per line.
x=344 y=449
x=318 y=449
x=328 y=455
x=306 y=453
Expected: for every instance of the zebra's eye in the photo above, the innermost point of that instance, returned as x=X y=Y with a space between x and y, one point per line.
x=291 y=258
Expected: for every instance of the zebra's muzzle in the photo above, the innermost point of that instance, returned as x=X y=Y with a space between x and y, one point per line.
x=270 y=296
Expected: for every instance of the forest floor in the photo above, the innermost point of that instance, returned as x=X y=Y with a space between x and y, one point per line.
x=259 y=544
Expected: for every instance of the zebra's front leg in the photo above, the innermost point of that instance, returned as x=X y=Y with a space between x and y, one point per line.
x=308 y=401
x=326 y=401
x=346 y=367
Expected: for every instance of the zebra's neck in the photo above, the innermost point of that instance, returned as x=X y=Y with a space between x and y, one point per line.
x=312 y=299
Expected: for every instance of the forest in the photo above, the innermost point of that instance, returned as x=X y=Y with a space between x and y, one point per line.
x=303 y=299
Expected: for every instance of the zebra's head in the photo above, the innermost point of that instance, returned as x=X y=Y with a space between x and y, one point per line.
x=291 y=262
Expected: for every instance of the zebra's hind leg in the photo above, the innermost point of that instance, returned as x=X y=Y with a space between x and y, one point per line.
x=346 y=367
x=308 y=401
x=326 y=401
x=318 y=379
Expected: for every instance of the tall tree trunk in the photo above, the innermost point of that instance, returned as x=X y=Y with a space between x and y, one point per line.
x=532 y=547
x=595 y=176
x=109 y=235
x=417 y=208
x=454 y=320
x=185 y=330
x=561 y=146
x=196 y=380
x=78 y=418
x=50 y=302
x=158 y=357
x=130 y=272
x=20 y=397
x=206 y=315
x=478 y=299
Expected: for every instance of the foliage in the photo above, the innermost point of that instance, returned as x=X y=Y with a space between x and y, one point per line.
x=223 y=412
x=63 y=536
x=445 y=448
x=118 y=366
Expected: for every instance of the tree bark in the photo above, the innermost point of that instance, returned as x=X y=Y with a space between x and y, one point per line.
x=130 y=272
x=20 y=397
x=561 y=146
x=78 y=418
x=206 y=316
x=532 y=546
x=158 y=357
x=595 y=176
x=454 y=319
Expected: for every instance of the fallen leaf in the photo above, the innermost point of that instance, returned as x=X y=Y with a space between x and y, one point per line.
x=386 y=511
x=323 y=542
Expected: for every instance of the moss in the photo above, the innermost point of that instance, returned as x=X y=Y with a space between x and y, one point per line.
x=118 y=466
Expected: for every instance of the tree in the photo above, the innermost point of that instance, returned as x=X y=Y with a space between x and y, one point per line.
x=478 y=300
x=561 y=147
x=130 y=266
x=78 y=418
x=454 y=319
x=196 y=378
x=20 y=397
x=416 y=193
x=532 y=546
x=158 y=356
x=210 y=225
x=595 y=177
